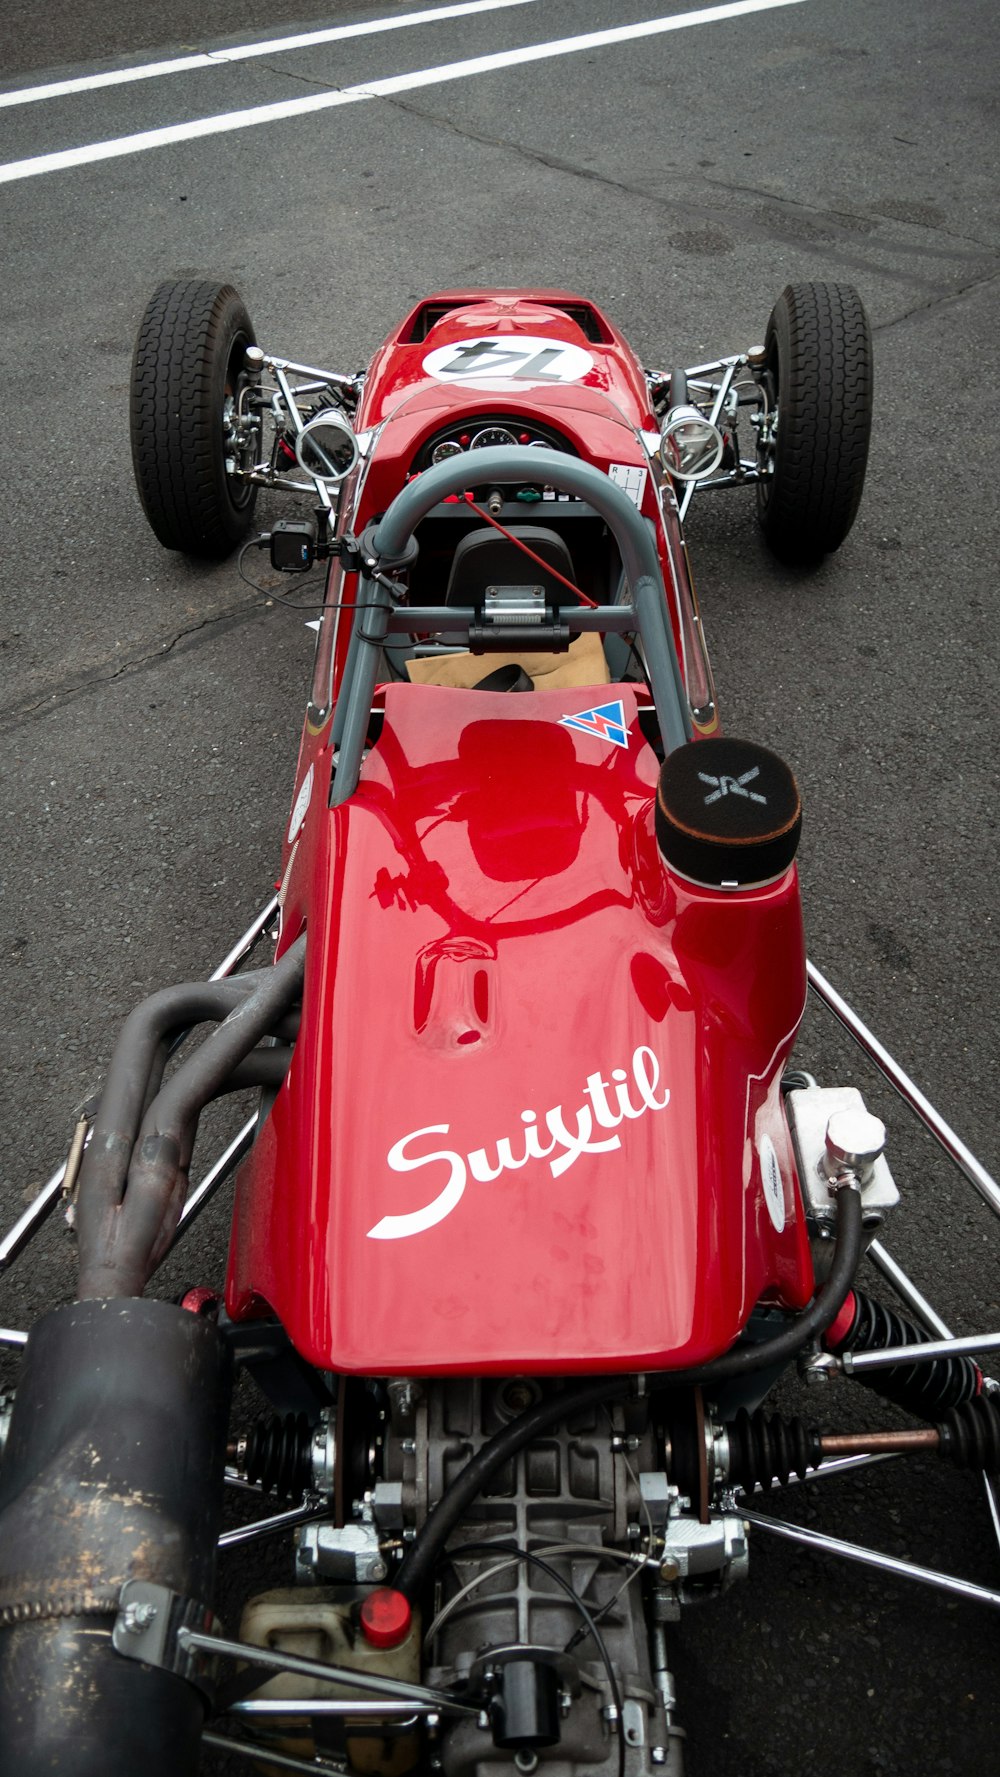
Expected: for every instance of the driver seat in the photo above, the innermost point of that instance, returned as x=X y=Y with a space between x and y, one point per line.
x=484 y=558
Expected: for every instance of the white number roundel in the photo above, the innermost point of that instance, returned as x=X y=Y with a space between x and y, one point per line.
x=508 y=358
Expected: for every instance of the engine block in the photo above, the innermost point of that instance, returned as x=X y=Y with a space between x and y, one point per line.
x=558 y=1545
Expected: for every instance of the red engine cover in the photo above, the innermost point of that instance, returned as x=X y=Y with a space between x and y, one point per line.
x=533 y=1119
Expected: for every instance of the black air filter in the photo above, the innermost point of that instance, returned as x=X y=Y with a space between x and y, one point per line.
x=727 y=813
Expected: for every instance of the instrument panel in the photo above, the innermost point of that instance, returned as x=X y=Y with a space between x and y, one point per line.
x=486 y=432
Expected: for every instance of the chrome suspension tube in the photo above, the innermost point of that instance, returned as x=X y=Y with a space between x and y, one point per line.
x=953 y=1146
x=907 y=1291
x=41 y=1206
x=907 y=1570
x=855 y=1363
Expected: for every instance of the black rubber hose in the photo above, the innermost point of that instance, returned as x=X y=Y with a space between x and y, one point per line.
x=422 y=1556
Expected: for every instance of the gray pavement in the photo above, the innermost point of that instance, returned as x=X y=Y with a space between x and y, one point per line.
x=149 y=708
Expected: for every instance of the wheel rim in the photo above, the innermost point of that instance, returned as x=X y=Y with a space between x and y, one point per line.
x=767 y=432
x=240 y=492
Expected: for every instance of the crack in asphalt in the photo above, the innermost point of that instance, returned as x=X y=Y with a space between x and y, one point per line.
x=874 y=218
x=675 y=205
x=938 y=302
x=14 y=714
x=794 y=207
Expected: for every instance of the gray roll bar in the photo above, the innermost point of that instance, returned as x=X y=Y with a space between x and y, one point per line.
x=387 y=545
x=503 y=465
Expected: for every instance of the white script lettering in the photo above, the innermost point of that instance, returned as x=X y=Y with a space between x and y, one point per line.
x=572 y=1141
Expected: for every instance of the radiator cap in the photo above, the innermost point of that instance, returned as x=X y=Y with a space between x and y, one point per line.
x=727 y=813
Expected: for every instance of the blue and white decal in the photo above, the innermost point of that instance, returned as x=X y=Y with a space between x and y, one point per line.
x=606 y=721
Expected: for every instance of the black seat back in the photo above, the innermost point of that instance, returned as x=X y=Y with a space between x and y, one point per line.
x=485 y=559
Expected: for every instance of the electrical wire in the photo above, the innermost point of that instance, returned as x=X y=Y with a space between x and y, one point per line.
x=585 y=1552
x=641 y=1558
x=282 y=602
x=512 y=537
x=532 y=1560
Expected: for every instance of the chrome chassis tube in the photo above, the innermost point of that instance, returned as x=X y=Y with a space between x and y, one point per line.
x=41 y=1207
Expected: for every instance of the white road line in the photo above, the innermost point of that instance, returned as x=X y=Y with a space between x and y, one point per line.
x=245 y=52
x=374 y=89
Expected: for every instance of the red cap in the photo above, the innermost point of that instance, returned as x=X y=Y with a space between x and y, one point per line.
x=385 y=1617
x=841 y=1323
x=201 y=1300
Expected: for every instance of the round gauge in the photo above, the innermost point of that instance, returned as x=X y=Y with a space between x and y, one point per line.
x=449 y=447
x=491 y=435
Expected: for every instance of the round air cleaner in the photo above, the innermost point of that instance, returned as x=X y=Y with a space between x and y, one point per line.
x=385 y=1617
x=727 y=813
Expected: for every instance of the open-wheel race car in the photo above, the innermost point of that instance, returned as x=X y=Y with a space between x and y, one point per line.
x=534 y=1209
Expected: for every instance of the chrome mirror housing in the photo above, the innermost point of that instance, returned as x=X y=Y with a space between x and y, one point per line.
x=327 y=447
x=691 y=446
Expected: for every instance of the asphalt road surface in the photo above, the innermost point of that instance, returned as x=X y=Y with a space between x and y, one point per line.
x=149 y=707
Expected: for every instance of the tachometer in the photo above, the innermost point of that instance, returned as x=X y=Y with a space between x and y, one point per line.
x=492 y=435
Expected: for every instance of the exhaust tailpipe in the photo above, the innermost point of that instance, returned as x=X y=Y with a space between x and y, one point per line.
x=112 y=1471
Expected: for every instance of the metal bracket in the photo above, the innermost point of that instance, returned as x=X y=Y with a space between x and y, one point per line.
x=149 y=1628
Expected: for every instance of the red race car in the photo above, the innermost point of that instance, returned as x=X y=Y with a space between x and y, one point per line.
x=535 y=1208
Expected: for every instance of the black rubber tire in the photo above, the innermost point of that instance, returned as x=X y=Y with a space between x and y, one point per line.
x=819 y=371
x=188 y=358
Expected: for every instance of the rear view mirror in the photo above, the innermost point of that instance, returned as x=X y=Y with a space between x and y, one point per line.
x=690 y=446
x=326 y=448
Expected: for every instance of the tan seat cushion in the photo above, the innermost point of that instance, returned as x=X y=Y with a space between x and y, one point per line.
x=584 y=664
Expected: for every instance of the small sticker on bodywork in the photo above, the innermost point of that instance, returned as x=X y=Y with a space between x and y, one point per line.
x=606 y=722
x=301 y=805
x=630 y=478
x=770 y=1178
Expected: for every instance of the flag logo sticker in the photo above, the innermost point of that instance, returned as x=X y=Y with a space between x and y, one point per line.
x=607 y=722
